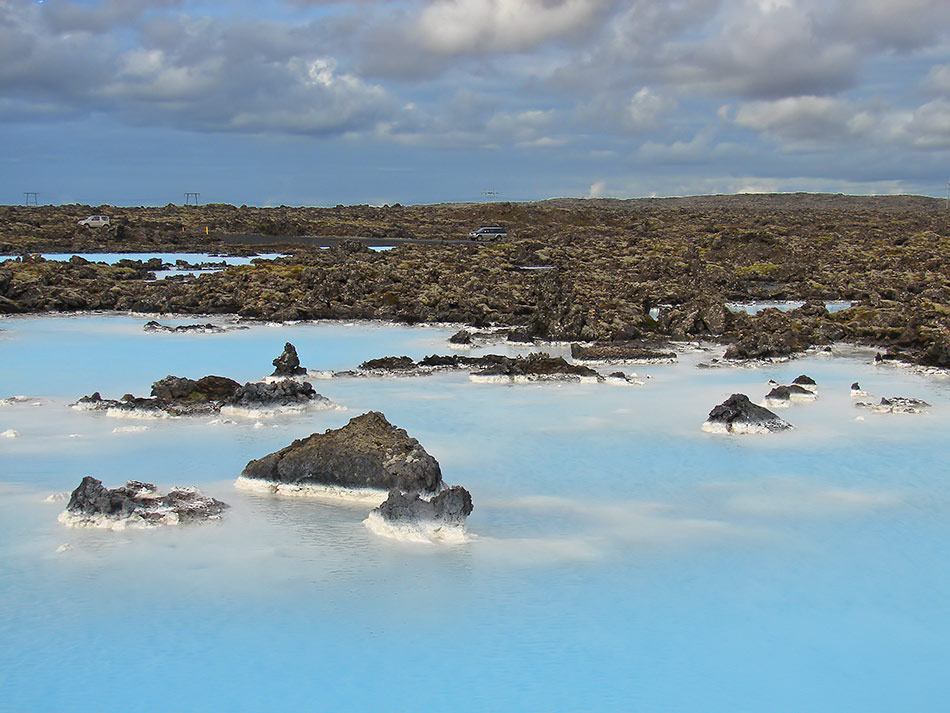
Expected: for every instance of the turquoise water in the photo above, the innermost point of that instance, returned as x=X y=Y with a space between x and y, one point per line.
x=623 y=560
x=194 y=258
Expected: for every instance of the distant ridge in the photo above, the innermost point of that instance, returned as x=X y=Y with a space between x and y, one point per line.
x=759 y=201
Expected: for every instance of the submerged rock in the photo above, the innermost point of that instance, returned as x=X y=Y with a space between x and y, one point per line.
x=738 y=414
x=409 y=516
x=368 y=452
x=782 y=396
x=895 y=404
x=138 y=505
x=288 y=364
x=208 y=328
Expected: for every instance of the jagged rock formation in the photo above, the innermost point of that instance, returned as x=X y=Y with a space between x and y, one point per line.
x=738 y=414
x=288 y=364
x=180 y=396
x=137 y=504
x=368 y=452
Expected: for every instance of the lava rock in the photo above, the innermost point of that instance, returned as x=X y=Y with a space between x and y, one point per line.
x=368 y=452
x=449 y=507
x=285 y=392
x=738 y=414
x=288 y=364
x=537 y=366
x=783 y=395
x=461 y=337
x=154 y=326
x=207 y=388
x=136 y=504
x=620 y=352
x=895 y=404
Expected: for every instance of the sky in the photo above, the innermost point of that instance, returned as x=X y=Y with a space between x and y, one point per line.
x=318 y=102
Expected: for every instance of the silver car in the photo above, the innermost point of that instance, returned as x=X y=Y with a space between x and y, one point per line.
x=489 y=232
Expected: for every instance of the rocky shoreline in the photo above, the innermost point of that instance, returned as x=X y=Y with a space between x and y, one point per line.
x=622 y=277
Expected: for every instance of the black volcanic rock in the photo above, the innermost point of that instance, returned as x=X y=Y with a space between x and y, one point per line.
x=180 y=396
x=619 y=352
x=782 y=395
x=368 y=452
x=137 y=504
x=208 y=328
x=738 y=414
x=389 y=363
x=804 y=380
x=207 y=388
x=537 y=365
x=278 y=393
x=288 y=364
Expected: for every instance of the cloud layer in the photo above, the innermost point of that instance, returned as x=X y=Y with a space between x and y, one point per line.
x=695 y=94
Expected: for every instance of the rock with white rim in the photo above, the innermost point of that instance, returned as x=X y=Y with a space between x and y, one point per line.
x=895 y=404
x=136 y=505
x=288 y=363
x=738 y=414
x=368 y=452
x=783 y=396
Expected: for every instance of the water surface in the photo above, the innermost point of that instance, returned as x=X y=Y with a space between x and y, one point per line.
x=623 y=560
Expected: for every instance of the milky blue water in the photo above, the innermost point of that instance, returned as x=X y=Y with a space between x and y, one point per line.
x=623 y=560
x=170 y=258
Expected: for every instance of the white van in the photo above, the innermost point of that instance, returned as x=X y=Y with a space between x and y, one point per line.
x=95 y=221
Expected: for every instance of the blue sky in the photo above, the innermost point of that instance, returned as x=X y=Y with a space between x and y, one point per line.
x=315 y=102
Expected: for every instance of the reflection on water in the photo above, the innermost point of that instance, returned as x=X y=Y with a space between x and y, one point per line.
x=622 y=559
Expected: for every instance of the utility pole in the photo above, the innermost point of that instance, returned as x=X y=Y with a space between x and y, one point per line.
x=948 y=194
x=489 y=195
x=31 y=198
x=191 y=196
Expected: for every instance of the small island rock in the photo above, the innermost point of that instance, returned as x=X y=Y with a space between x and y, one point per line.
x=368 y=452
x=136 y=504
x=407 y=516
x=738 y=414
x=288 y=364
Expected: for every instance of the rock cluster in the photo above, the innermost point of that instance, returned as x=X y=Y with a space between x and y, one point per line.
x=180 y=396
x=137 y=504
x=368 y=453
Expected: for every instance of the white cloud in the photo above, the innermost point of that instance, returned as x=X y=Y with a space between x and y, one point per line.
x=598 y=189
x=645 y=109
x=485 y=26
x=938 y=79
